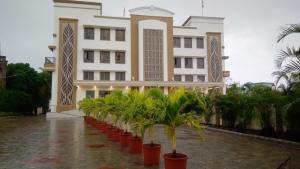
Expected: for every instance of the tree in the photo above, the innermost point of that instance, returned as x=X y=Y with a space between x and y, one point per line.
x=288 y=61
x=180 y=110
x=21 y=77
x=292 y=28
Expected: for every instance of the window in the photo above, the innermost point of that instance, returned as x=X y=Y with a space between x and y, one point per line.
x=103 y=93
x=188 y=62
x=88 y=56
x=104 y=57
x=120 y=35
x=177 y=42
x=201 y=78
x=104 y=76
x=87 y=75
x=177 y=62
x=200 y=43
x=89 y=33
x=90 y=94
x=120 y=76
x=200 y=63
x=105 y=34
x=189 y=78
x=188 y=42
x=120 y=57
x=177 y=78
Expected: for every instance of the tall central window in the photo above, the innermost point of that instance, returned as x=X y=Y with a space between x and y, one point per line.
x=153 y=55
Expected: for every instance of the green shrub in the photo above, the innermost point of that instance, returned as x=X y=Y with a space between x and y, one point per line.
x=15 y=101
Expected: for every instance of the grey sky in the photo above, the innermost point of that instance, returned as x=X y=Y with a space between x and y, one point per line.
x=251 y=28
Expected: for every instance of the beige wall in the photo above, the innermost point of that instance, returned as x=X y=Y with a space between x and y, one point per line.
x=64 y=107
x=135 y=45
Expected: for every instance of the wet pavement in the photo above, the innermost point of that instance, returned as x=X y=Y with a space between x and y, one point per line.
x=68 y=143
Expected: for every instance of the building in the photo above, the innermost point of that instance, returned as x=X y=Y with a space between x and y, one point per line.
x=94 y=54
x=3 y=65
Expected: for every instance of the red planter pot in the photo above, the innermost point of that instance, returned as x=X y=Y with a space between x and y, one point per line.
x=151 y=154
x=116 y=134
x=109 y=132
x=177 y=161
x=104 y=129
x=135 y=145
x=124 y=138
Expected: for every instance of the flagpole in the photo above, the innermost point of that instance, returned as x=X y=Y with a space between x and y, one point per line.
x=202 y=7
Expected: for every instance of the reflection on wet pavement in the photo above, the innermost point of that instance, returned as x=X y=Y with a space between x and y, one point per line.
x=37 y=143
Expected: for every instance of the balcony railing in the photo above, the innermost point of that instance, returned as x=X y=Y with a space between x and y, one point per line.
x=49 y=64
x=49 y=60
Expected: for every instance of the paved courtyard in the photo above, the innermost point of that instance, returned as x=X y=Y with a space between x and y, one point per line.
x=66 y=142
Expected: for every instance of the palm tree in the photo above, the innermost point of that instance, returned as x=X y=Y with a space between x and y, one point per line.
x=292 y=28
x=288 y=61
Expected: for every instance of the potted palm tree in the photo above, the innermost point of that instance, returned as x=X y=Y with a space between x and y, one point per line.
x=88 y=107
x=181 y=109
x=115 y=102
x=156 y=105
x=137 y=107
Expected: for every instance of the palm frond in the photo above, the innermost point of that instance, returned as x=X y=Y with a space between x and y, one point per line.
x=293 y=66
x=292 y=28
x=280 y=75
x=285 y=55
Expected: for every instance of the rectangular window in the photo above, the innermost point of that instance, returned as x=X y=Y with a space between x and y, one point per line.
x=177 y=78
x=120 y=76
x=89 y=33
x=120 y=57
x=120 y=35
x=189 y=78
x=201 y=78
x=103 y=93
x=200 y=63
x=88 y=56
x=188 y=43
x=104 y=34
x=177 y=62
x=88 y=75
x=200 y=43
x=188 y=62
x=177 y=42
x=105 y=76
x=89 y=94
x=104 y=57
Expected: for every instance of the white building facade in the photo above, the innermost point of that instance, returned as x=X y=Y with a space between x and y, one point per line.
x=94 y=54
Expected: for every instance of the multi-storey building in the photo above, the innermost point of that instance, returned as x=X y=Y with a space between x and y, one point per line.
x=95 y=54
x=3 y=65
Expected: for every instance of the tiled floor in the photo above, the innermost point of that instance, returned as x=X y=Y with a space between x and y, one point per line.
x=68 y=143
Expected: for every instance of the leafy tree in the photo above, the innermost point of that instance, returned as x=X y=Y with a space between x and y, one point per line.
x=21 y=77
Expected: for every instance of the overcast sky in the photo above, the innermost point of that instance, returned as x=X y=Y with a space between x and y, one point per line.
x=251 y=28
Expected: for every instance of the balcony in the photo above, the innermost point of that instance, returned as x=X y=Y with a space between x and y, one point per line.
x=226 y=73
x=49 y=64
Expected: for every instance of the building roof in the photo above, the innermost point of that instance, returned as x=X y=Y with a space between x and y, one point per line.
x=201 y=17
x=88 y=2
x=151 y=11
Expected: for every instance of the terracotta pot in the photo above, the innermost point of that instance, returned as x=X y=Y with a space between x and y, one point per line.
x=124 y=138
x=116 y=134
x=177 y=161
x=135 y=145
x=151 y=154
x=109 y=132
